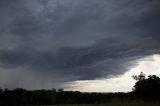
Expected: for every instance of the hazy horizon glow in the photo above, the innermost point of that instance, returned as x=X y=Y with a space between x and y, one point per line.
x=124 y=83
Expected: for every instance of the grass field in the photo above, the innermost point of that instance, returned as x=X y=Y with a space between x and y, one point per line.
x=113 y=104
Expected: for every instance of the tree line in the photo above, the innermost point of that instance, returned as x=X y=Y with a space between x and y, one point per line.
x=146 y=89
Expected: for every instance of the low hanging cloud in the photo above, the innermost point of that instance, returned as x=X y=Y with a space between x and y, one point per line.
x=74 y=39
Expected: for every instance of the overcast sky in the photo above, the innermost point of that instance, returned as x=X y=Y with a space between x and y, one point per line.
x=50 y=43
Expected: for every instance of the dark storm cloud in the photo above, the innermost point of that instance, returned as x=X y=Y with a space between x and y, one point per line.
x=77 y=39
x=81 y=61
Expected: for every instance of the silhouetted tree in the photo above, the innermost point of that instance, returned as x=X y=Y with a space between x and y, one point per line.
x=139 y=77
x=144 y=88
x=147 y=87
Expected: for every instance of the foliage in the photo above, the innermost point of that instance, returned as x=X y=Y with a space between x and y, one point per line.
x=146 y=89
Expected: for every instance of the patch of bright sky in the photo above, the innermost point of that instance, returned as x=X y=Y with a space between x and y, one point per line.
x=149 y=65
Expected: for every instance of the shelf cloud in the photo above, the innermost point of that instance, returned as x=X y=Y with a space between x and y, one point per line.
x=58 y=41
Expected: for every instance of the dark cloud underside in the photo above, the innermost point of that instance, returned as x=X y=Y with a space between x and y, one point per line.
x=68 y=40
